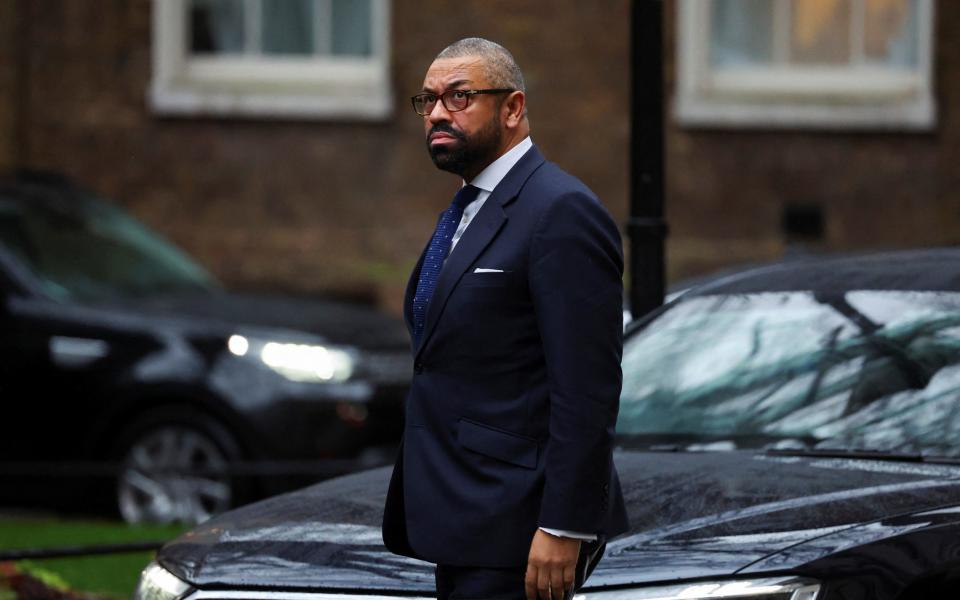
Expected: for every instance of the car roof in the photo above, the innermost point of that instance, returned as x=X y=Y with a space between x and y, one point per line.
x=929 y=269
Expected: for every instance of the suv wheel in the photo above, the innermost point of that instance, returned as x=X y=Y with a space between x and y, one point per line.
x=176 y=470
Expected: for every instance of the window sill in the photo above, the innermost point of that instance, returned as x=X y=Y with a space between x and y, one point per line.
x=193 y=100
x=799 y=113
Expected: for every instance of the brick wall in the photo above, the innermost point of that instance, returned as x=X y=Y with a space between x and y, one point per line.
x=8 y=84
x=304 y=205
x=727 y=190
x=315 y=206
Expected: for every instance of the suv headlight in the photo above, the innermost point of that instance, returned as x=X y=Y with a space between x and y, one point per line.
x=157 y=583
x=752 y=589
x=309 y=363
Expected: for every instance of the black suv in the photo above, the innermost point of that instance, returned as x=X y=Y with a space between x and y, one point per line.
x=129 y=374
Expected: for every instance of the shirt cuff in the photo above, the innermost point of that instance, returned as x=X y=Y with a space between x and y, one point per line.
x=584 y=537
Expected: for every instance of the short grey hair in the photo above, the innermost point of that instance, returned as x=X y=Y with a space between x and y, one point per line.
x=498 y=64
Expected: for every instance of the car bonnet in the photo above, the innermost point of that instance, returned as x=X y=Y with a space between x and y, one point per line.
x=692 y=515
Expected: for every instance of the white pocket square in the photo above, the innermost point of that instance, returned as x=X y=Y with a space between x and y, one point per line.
x=480 y=270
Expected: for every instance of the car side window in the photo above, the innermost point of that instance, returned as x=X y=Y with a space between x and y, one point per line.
x=7 y=286
x=12 y=236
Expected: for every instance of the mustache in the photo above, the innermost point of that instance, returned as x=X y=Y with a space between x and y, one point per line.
x=445 y=128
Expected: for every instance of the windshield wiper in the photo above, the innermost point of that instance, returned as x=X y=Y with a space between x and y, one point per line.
x=913 y=373
x=695 y=442
x=863 y=454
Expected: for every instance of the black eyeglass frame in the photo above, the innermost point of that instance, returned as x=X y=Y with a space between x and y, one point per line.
x=443 y=98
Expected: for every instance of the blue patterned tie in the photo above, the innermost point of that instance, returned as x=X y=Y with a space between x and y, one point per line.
x=436 y=253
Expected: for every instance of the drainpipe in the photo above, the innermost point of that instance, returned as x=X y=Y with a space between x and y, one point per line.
x=646 y=226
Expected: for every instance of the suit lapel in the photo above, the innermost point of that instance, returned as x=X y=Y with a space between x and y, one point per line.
x=478 y=235
x=483 y=228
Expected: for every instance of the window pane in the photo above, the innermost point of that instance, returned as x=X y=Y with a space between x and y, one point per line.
x=820 y=31
x=288 y=26
x=891 y=32
x=352 y=26
x=216 y=26
x=741 y=32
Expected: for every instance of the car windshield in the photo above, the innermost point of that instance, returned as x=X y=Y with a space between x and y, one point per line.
x=877 y=370
x=82 y=249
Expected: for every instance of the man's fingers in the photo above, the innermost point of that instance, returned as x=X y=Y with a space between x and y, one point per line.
x=543 y=583
x=556 y=582
x=530 y=582
x=569 y=578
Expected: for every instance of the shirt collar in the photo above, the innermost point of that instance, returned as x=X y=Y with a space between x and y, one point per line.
x=491 y=176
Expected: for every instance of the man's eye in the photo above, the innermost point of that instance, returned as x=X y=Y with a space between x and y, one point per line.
x=459 y=95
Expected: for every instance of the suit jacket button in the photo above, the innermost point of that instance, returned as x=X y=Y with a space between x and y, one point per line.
x=417 y=367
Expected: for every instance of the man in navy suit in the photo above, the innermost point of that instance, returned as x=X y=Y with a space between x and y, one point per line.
x=505 y=476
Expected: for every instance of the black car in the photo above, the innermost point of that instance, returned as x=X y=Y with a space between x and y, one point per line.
x=785 y=433
x=129 y=375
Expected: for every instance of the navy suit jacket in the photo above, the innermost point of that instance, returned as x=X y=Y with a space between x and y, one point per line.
x=516 y=386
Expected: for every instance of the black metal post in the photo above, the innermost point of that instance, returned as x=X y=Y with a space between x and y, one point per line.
x=646 y=226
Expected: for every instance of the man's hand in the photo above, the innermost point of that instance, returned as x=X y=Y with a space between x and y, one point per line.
x=551 y=565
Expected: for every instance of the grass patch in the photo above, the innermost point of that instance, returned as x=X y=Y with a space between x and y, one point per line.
x=111 y=575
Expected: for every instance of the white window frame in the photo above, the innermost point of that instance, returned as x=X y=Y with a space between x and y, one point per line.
x=311 y=87
x=825 y=98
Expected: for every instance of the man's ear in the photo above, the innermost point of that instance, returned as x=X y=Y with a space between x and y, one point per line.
x=513 y=108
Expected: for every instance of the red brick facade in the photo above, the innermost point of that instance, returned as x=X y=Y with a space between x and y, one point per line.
x=8 y=77
x=345 y=207
x=727 y=189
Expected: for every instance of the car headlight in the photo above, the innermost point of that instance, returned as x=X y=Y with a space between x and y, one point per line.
x=309 y=363
x=157 y=583
x=753 y=589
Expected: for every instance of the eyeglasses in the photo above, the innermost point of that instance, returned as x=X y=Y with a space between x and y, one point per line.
x=453 y=100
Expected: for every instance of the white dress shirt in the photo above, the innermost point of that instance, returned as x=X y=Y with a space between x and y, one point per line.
x=487 y=180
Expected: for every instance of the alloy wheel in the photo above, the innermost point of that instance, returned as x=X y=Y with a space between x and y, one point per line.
x=173 y=473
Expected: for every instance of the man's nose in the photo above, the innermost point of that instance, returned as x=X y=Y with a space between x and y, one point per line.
x=439 y=112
